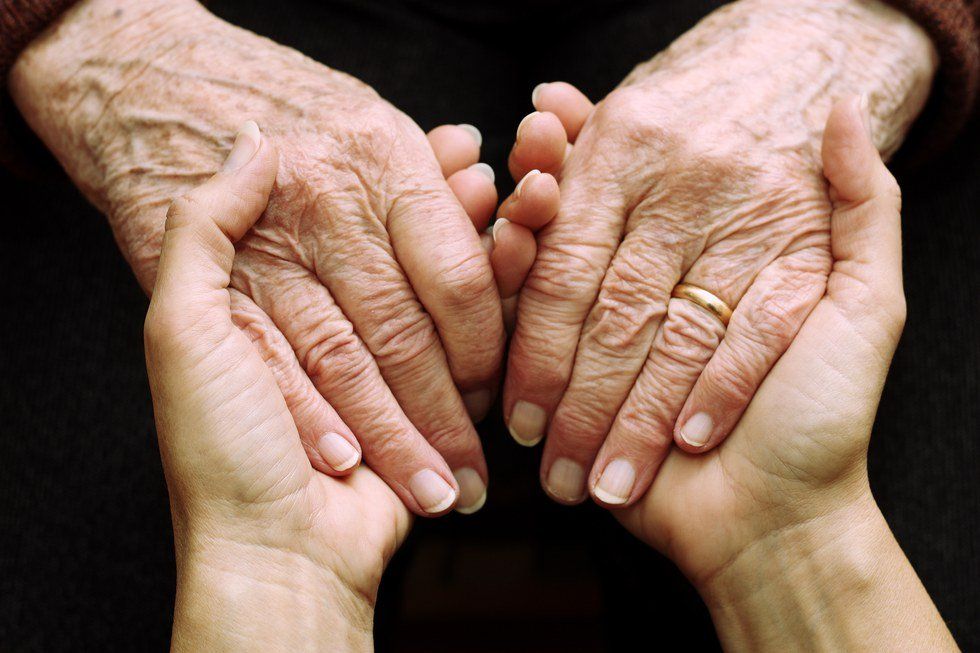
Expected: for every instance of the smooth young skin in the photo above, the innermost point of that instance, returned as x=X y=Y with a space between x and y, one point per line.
x=777 y=527
x=703 y=167
x=364 y=274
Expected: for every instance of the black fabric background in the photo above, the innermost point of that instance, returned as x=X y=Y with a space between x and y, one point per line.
x=86 y=560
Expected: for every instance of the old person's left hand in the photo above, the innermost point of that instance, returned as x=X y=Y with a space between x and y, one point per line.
x=703 y=168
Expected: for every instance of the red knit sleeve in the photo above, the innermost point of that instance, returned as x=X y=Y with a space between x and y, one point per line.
x=20 y=22
x=953 y=26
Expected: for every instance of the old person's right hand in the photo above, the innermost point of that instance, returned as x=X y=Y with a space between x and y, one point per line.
x=364 y=270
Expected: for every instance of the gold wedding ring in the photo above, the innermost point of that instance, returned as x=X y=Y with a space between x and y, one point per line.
x=704 y=299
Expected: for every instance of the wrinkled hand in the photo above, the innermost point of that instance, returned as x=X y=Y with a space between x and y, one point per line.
x=799 y=452
x=703 y=168
x=365 y=269
x=258 y=531
x=777 y=528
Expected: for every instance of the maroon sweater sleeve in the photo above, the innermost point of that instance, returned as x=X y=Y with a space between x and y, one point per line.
x=951 y=23
x=20 y=22
x=954 y=26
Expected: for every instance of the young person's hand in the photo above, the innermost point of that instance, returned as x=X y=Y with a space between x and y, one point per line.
x=271 y=554
x=777 y=527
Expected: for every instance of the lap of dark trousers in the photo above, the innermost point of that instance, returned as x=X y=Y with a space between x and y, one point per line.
x=86 y=559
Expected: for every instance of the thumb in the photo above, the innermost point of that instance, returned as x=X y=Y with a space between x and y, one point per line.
x=866 y=238
x=203 y=225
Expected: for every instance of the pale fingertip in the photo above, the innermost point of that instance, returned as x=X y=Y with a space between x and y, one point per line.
x=472 y=491
x=340 y=454
x=616 y=483
x=498 y=224
x=527 y=422
x=566 y=481
x=536 y=93
x=473 y=132
x=484 y=170
x=697 y=430
x=520 y=184
x=432 y=491
x=524 y=122
x=478 y=403
x=246 y=145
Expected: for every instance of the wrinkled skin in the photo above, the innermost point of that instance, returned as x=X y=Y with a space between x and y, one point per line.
x=702 y=167
x=799 y=452
x=777 y=527
x=257 y=529
x=364 y=268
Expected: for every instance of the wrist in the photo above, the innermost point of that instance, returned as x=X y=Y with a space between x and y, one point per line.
x=835 y=581
x=239 y=596
x=770 y=62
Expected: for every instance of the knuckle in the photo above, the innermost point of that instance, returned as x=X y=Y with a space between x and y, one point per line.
x=404 y=340
x=275 y=352
x=629 y=303
x=618 y=326
x=689 y=341
x=336 y=357
x=772 y=321
x=374 y=123
x=453 y=442
x=564 y=272
x=465 y=283
x=534 y=363
x=729 y=382
x=642 y=428
x=578 y=429
x=623 y=105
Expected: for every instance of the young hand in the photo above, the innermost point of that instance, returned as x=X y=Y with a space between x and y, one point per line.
x=271 y=554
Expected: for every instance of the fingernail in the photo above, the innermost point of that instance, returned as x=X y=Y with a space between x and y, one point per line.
x=697 y=430
x=566 y=480
x=527 y=422
x=497 y=225
x=478 y=403
x=520 y=184
x=865 y=105
x=616 y=483
x=432 y=492
x=337 y=451
x=246 y=145
x=472 y=491
x=523 y=123
x=484 y=170
x=472 y=131
x=536 y=93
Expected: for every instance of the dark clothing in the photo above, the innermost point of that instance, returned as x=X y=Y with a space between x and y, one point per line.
x=86 y=560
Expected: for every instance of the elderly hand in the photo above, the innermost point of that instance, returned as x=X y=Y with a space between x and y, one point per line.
x=271 y=554
x=777 y=527
x=702 y=168
x=364 y=268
